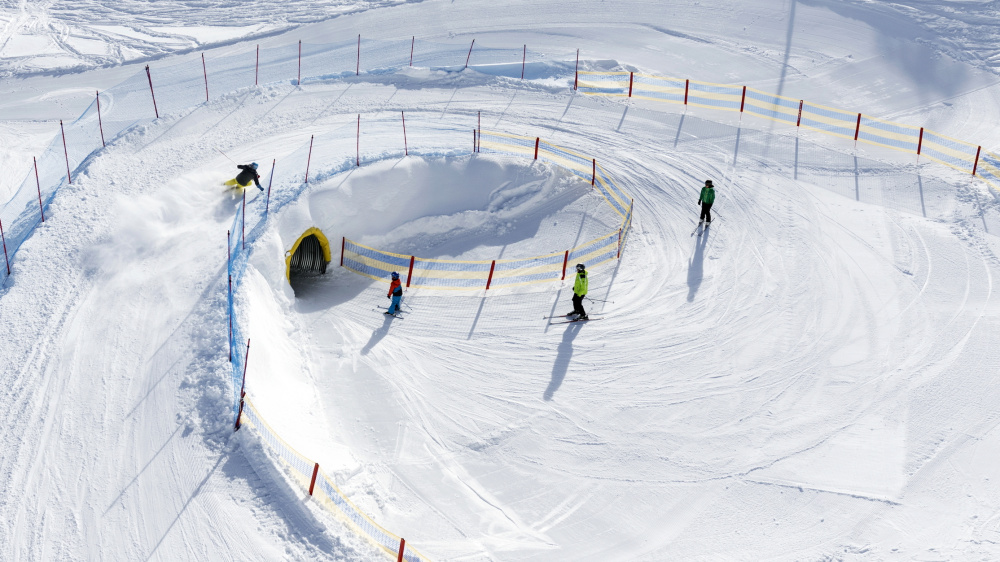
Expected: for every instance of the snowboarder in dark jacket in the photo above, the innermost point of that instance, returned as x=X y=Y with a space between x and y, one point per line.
x=706 y=199
x=247 y=174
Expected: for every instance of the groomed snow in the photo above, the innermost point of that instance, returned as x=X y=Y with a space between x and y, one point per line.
x=812 y=378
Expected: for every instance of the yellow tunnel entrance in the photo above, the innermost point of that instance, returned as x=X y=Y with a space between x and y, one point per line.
x=309 y=254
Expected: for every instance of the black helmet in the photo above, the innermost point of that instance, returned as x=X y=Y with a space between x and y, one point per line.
x=708 y=183
x=395 y=275
x=580 y=267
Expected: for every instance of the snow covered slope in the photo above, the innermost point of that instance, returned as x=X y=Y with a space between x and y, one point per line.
x=814 y=377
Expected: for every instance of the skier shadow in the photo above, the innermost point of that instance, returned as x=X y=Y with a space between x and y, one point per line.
x=561 y=365
x=377 y=335
x=696 y=266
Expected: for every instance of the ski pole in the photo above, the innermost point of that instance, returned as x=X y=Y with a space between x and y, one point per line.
x=224 y=154
x=599 y=300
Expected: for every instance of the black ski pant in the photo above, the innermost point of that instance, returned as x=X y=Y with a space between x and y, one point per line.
x=578 y=305
x=706 y=212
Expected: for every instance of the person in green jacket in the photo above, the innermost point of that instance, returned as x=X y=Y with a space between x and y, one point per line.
x=579 y=291
x=706 y=199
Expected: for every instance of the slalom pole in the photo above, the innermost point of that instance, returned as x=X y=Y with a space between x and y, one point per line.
x=470 y=53
x=100 y=124
x=524 y=58
x=243 y=387
x=406 y=149
x=39 y=186
x=204 y=70
x=4 y=248
x=271 y=179
x=65 y=151
x=224 y=154
x=151 y=92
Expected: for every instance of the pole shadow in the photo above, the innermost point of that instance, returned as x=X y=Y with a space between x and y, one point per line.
x=795 y=174
x=857 y=180
x=475 y=321
x=563 y=358
x=920 y=186
x=680 y=125
x=696 y=266
x=736 y=150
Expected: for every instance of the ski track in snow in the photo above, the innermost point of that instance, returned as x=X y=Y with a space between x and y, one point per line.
x=811 y=378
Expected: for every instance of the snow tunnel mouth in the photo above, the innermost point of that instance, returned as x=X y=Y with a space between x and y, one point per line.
x=308 y=257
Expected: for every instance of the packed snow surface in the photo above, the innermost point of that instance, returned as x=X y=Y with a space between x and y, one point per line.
x=812 y=377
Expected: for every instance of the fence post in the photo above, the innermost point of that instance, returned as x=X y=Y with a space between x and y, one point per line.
x=343 y=244
x=593 y=176
x=406 y=149
x=256 y=66
x=469 y=56
x=243 y=386
x=524 y=58
x=489 y=280
x=473 y=140
x=243 y=221
x=799 y=120
x=619 y=256
x=537 y=140
x=976 y=164
x=298 y=81
x=270 y=180
x=312 y=483
x=65 y=151
x=857 y=129
x=38 y=185
x=409 y=272
x=413 y=39
x=565 y=261
x=576 y=73
x=151 y=92
x=686 y=84
x=357 y=147
x=4 y=239
x=631 y=76
x=99 y=123
x=743 y=101
x=309 y=159
x=204 y=70
x=357 y=70
x=402 y=546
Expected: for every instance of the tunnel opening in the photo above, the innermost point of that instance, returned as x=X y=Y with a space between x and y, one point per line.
x=309 y=256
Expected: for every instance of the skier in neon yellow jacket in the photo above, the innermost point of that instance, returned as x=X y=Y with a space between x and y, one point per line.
x=579 y=291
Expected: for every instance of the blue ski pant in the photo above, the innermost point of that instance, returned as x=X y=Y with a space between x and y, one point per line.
x=394 y=306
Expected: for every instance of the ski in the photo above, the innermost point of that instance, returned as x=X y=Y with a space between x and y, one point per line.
x=696 y=229
x=704 y=229
x=384 y=314
x=577 y=320
x=556 y=316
